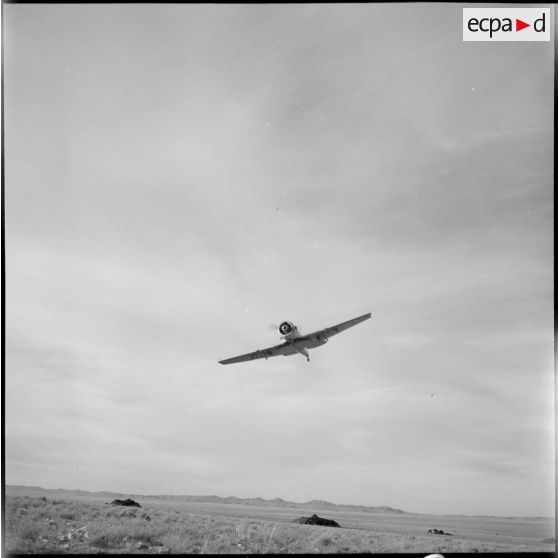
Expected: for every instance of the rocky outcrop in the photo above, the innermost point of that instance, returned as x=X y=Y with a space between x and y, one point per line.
x=315 y=520
x=437 y=532
x=127 y=502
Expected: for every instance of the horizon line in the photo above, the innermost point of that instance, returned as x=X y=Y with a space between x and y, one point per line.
x=276 y=499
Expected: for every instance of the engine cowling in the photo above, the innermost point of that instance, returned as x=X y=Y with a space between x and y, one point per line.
x=287 y=330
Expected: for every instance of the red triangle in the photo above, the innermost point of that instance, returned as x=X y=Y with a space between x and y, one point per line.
x=519 y=25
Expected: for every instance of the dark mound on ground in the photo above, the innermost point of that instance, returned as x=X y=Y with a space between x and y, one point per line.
x=315 y=520
x=127 y=502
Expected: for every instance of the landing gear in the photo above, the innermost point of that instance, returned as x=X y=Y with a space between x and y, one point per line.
x=302 y=351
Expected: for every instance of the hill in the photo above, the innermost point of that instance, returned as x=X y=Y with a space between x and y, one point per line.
x=20 y=490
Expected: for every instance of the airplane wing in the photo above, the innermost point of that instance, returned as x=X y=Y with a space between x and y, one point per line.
x=328 y=332
x=260 y=353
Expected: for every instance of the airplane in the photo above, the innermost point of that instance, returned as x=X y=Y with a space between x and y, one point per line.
x=295 y=342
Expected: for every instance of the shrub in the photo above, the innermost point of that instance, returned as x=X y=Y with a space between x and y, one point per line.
x=122 y=532
x=28 y=531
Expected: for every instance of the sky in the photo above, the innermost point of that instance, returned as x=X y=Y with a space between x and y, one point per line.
x=181 y=178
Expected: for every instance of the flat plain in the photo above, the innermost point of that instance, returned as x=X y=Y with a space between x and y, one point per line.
x=51 y=521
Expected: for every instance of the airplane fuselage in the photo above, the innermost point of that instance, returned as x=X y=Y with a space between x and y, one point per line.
x=297 y=343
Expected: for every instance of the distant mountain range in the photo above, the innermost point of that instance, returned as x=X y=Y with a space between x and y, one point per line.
x=19 y=490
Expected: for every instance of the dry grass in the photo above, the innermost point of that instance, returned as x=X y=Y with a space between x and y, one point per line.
x=39 y=525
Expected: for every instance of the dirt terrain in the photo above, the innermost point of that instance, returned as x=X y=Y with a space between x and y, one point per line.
x=39 y=521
